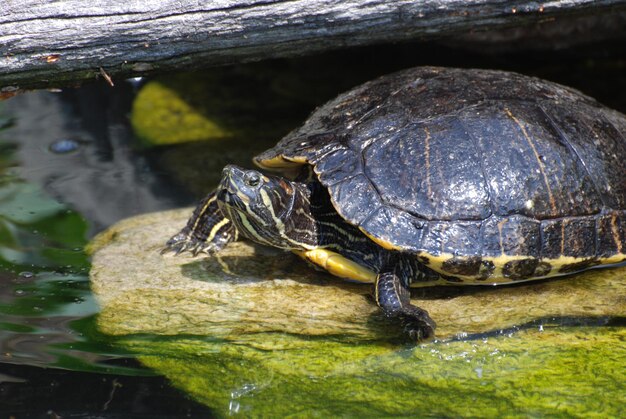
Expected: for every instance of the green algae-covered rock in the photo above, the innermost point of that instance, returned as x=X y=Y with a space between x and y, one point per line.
x=256 y=332
x=569 y=372
x=241 y=102
x=161 y=115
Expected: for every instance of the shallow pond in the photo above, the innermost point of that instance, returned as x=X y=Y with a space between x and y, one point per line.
x=74 y=162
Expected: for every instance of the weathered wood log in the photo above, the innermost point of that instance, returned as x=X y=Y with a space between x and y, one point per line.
x=45 y=43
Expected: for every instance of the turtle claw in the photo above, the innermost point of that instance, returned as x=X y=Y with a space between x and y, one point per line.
x=199 y=247
x=419 y=333
x=181 y=243
x=207 y=231
x=180 y=249
x=418 y=325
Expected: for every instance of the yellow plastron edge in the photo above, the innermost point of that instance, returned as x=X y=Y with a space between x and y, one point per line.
x=337 y=264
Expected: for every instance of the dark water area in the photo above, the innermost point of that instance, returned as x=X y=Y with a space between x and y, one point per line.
x=71 y=166
x=61 y=392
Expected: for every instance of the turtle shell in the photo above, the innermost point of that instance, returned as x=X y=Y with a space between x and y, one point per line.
x=481 y=174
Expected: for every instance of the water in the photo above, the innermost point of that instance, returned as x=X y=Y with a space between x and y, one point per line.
x=53 y=165
x=71 y=165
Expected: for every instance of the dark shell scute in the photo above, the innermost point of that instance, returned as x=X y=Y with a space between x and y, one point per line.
x=359 y=199
x=395 y=226
x=578 y=266
x=611 y=231
x=528 y=163
x=520 y=269
x=338 y=165
x=460 y=238
x=600 y=146
x=425 y=176
x=471 y=266
x=514 y=235
x=575 y=236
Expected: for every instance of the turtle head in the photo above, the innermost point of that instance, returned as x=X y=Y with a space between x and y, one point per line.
x=262 y=207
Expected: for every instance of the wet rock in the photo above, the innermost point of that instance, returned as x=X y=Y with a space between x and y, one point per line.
x=257 y=332
x=233 y=296
x=251 y=289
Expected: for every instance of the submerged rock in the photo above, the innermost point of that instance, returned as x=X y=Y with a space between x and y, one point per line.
x=213 y=320
x=222 y=103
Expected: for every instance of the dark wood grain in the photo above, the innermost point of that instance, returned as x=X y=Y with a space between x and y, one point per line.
x=44 y=43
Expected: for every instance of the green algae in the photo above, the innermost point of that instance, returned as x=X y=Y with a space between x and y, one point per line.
x=241 y=102
x=564 y=372
x=161 y=116
x=256 y=333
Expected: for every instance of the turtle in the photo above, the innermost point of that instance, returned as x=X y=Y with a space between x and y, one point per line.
x=433 y=176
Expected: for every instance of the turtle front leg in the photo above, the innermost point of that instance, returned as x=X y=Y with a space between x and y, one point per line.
x=394 y=298
x=206 y=231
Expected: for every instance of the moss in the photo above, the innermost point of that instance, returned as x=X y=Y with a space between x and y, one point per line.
x=161 y=116
x=221 y=103
x=556 y=373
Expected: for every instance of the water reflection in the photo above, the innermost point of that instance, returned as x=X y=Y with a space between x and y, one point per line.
x=37 y=315
x=77 y=144
x=64 y=146
x=60 y=152
x=44 y=285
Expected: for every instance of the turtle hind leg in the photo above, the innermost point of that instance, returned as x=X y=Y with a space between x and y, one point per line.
x=394 y=298
x=207 y=230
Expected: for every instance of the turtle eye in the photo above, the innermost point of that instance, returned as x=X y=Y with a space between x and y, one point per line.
x=252 y=178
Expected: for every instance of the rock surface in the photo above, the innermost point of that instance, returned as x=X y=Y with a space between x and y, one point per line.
x=251 y=289
x=257 y=332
